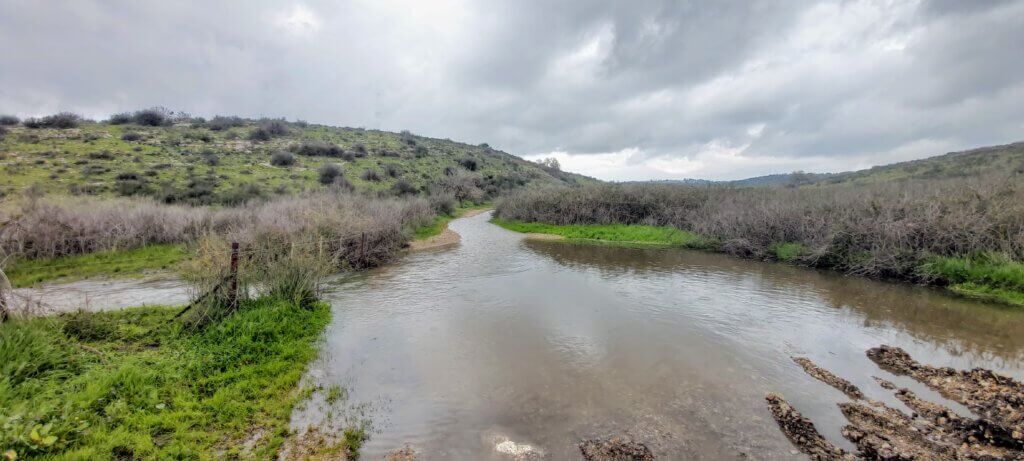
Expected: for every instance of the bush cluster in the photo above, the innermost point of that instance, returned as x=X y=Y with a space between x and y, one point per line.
x=62 y=120
x=883 y=230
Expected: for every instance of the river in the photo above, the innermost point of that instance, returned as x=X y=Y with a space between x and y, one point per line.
x=546 y=343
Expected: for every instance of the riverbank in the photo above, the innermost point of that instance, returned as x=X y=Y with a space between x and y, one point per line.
x=437 y=235
x=987 y=278
x=135 y=384
x=113 y=263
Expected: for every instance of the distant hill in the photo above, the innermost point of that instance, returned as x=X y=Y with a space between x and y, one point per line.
x=974 y=162
x=227 y=160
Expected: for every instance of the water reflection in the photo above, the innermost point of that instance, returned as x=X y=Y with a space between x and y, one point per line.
x=546 y=343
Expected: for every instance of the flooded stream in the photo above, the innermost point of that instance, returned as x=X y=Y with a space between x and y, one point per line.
x=547 y=343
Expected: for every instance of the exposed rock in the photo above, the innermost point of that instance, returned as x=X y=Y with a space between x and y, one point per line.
x=801 y=431
x=827 y=377
x=999 y=400
x=933 y=431
x=615 y=448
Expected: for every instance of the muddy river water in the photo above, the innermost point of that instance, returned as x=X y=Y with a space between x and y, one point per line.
x=545 y=343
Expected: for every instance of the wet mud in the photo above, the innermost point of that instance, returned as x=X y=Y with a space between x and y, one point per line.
x=930 y=431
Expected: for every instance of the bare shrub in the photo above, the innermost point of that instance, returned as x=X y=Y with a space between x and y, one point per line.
x=883 y=230
x=9 y=120
x=46 y=228
x=120 y=118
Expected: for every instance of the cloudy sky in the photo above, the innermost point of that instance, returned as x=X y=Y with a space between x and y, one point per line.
x=618 y=90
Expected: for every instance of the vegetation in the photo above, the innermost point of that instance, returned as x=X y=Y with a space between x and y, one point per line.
x=227 y=160
x=134 y=384
x=922 y=231
x=121 y=263
x=618 y=233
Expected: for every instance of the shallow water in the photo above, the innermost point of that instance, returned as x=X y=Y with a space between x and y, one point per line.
x=547 y=343
x=101 y=295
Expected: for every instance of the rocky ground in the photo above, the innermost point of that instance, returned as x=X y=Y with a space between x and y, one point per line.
x=931 y=431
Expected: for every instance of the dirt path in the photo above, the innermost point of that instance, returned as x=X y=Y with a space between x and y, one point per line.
x=446 y=238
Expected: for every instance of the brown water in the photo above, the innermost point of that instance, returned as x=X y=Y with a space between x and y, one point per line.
x=546 y=343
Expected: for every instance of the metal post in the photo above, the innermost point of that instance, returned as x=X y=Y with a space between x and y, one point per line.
x=233 y=293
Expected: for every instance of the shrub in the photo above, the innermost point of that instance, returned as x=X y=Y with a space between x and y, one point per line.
x=120 y=118
x=392 y=170
x=282 y=158
x=370 y=174
x=62 y=120
x=268 y=130
x=101 y=155
x=301 y=123
x=131 y=136
x=468 y=163
x=328 y=173
x=156 y=116
x=3 y=131
x=404 y=187
x=318 y=149
x=220 y=122
x=9 y=120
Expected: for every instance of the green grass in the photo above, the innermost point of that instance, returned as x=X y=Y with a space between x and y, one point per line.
x=613 y=233
x=135 y=385
x=436 y=227
x=121 y=263
x=991 y=277
x=788 y=252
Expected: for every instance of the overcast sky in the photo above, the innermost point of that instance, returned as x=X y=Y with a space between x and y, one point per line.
x=614 y=89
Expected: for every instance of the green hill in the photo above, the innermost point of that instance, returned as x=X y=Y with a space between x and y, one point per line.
x=227 y=160
x=975 y=162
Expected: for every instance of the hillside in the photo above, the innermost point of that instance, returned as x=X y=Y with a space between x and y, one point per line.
x=975 y=162
x=227 y=160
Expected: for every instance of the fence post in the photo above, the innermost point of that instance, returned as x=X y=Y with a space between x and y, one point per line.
x=362 y=249
x=233 y=293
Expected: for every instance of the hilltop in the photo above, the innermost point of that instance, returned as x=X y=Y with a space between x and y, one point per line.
x=228 y=160
x=1007 y=158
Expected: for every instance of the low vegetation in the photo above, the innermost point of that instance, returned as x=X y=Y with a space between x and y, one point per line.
x=135 y=384
x=178 y=159
x=119 y=263
x=967 y=233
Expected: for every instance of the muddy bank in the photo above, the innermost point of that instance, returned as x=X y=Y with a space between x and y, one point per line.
x=931 y=431
x=445 y=239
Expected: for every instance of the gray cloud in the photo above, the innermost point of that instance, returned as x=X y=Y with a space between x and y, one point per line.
x=666 y=89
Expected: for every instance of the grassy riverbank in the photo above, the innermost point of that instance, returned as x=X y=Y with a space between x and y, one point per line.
x=613 y=233
x=134 y=384
x=988 y=277
x=113 y=263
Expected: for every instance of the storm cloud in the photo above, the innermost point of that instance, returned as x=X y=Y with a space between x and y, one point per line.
x=618 y=90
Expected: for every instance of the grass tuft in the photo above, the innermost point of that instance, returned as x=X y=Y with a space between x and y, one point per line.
x=618 y=233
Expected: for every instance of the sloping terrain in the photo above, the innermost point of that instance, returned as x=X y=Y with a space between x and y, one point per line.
x=228 y=160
